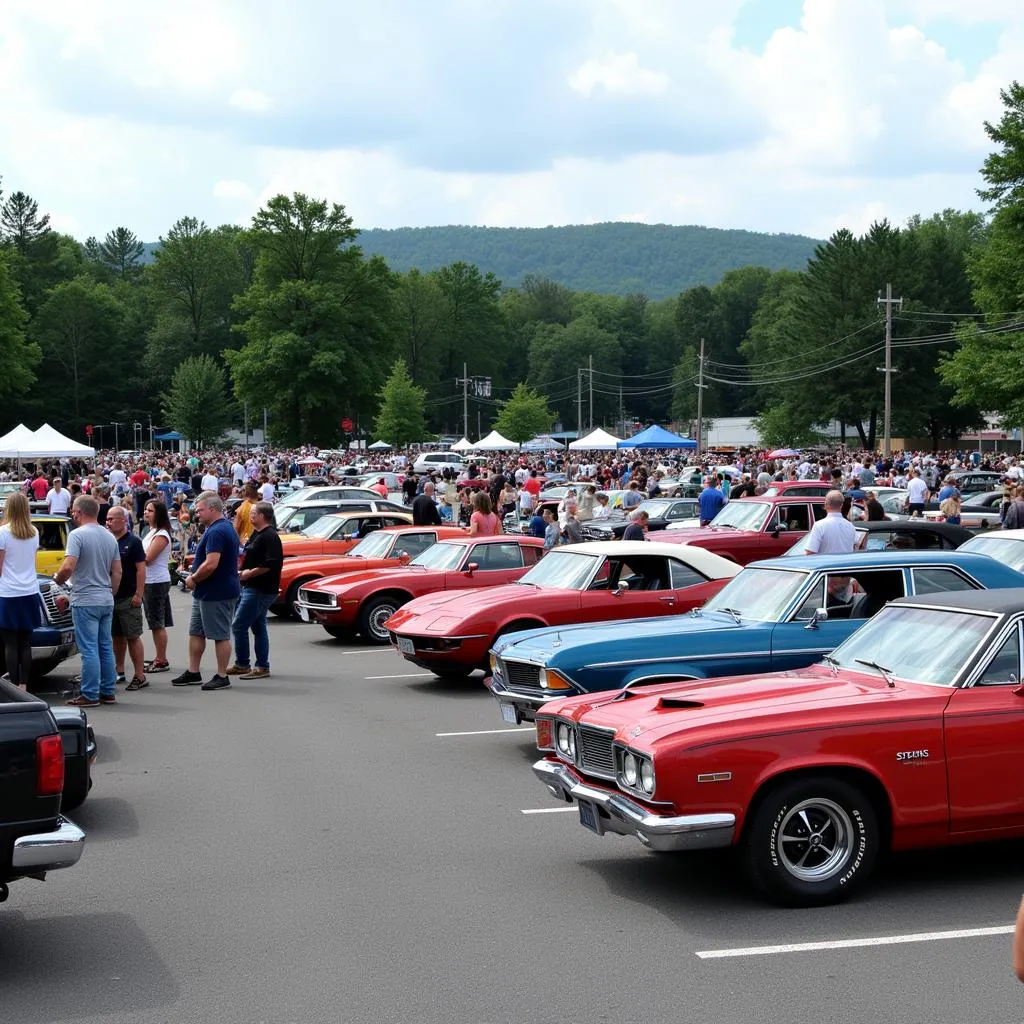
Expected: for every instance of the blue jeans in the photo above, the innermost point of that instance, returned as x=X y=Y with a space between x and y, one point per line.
x=92 y=634
x=251 y=613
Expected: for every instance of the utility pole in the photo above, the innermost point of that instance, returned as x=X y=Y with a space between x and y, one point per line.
x=700 y=398
x=479 y=428
x=151 y=432
x=264 y=425
x=464 y=381
x=622 y=420
x=888 y=302
x=590 y=418
x=246 y=416
x=117 y=444
x=579 y=403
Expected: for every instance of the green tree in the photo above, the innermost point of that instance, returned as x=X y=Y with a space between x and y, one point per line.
x=474 y=328
x=121 y=252
x=420 y=317
x=17 y=355
x=400 y=420
x=782 y=426
x=196 y=402
x=20 y=223
x=317 y=321
x=523 y=415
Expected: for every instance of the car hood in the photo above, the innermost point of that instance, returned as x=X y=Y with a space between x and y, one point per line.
x=441 y=608
x=398 y=573
x=628 y=636
x=814 y=698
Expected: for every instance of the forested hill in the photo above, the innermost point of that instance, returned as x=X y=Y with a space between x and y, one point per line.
x=659 y=260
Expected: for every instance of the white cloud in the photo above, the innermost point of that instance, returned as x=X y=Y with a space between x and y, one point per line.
x=232 y=190
x=251 y=100
x=618 y=73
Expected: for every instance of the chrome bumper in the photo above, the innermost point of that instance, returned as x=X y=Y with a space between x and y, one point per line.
x=525 y=705
x=616 y=812
x=48 y=851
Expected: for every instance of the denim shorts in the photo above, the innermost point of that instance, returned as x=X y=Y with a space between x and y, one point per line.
x=212 y=619
x=156 y=600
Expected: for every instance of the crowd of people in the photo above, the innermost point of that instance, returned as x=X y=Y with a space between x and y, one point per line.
x=131 y=514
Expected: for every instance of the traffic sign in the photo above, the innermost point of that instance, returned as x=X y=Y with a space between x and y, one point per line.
x=88 y=430
x=346 y=424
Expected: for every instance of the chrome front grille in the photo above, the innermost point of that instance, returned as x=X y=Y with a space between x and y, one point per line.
x=317 y=597
x=594 y=751
x=522 y=676
x=58 y=619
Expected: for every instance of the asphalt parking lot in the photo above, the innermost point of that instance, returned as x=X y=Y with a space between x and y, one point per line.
x=350 y=840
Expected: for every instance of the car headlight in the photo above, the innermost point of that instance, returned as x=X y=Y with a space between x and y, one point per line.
x=492 y=659
x=572 y=743
x=647 y=776
x=542 y=677
x=562 y=737
x=629 y=770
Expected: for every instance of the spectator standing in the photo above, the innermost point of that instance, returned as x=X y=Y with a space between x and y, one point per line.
x=410 y=485
x=39 y=486
x=117 y=481
x=380 y=487
x=637 y=528
x=20 y=605
x=950 y=508
x=156 y=597
x=260 y=578
x=215 y=586
x=126 y=623
x=537 y=524
x=834 y=534
x=243 y=518
x=1014 y=517
x=58 y=499
x=572 y=532
x=424 y=508
x=93 y=563
x=711 y=501
x=552 y=534
x=209 y=482
x=483 y=522
x=266 y=490
x=632 y=497
x=917 y=493
x=588 y=501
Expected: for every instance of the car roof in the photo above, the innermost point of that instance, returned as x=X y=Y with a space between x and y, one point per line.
x=950 y=530
x=1004 y=601
x=704 y=561
x=865 y=559
x=363 y=514
x=530 y=542
x=1007 y=534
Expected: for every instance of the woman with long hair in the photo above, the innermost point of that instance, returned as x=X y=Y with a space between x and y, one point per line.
x=156 y=595
x=20 y=604
x=483 y=522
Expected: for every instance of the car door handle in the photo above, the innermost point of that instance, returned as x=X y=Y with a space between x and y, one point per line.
x=669 y=599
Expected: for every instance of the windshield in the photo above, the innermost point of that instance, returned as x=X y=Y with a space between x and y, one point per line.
x=324 y=527
x=1003 y=549
x=743 y=515
x=376 y=545
x=905 y=641
x=655 y=509
x=762 y=594
x=441 y=556
x=564 y=570
x=292 y=498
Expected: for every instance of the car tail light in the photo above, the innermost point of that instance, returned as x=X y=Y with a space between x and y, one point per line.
x=49 y=765
x=545 y=735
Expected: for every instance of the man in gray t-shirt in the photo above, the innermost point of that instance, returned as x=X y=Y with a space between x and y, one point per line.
x=93 y=564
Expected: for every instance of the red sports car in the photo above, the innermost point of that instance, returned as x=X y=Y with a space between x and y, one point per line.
x=593 y=582
x=907 y=735
x=364 y=601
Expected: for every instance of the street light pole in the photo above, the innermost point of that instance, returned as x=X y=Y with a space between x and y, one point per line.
x=888 y=302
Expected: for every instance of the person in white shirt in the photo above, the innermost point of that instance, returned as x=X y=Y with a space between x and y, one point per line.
x=117 y=479
x=238 y=473
x=266 y=491
x=209 y=482
x=20 y=604
x=917 y=492
x=58 y=499
x=834 y=534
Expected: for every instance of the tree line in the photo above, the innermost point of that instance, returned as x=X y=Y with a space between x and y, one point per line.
x=289 y=314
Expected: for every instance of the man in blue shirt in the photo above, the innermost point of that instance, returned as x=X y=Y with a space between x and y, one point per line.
x=711 y=501
x=216 y=588
x=949 y=490
x=537 y=524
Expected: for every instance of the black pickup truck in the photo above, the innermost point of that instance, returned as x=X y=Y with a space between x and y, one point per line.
x=34 y=836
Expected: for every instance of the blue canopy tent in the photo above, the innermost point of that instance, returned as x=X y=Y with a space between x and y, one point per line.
x=541 y=443
x=657 y=437
x=171 y=435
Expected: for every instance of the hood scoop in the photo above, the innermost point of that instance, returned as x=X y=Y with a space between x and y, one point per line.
x=678 y=704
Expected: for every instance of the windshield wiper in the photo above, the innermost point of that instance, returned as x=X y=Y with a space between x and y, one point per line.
x=886 y=672
x=723 y=526
x=832 y=663
x=737 y=618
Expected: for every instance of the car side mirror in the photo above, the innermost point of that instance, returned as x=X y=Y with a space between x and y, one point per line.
x=620 y=588
x=472 y=568
x=404 y=557
x=820 y=615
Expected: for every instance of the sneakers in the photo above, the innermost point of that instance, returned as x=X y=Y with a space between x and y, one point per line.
x=187 y=679
x=120 y=678
x=256 y=673
x=216 y=683
x=108 y=698
x=157 y=666
x=238 y=670
x=83 y=702
x=137 y=684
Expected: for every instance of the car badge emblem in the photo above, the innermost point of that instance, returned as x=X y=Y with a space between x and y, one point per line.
x=634 y=732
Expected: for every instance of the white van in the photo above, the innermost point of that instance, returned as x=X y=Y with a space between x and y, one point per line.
x=427 y=462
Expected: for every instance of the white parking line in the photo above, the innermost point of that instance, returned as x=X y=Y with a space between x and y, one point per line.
x=367 y=650
x=407 y=675
x=484 y=732
x=550 y=810
x=878 y=940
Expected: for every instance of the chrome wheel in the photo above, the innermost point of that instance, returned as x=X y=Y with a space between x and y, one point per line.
x=815 y=839
x=380 y=614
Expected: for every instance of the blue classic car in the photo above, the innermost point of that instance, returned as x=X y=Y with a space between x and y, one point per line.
x=774 y=615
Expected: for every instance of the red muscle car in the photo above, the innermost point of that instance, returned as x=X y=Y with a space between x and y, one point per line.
x=339 y=533
x=592 y=582
x=364 y=601
x=389 y=546
x=906 y=736
x=750 y=529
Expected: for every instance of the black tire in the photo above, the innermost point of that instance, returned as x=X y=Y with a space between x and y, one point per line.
x=452 y=672
x=288 y=611
x=280 y=610
x=44 y=668
x=338 y=632
x=796 y=867
x=374 y=613
x=74 y=794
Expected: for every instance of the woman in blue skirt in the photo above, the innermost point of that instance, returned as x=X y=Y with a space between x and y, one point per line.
x=20 y=604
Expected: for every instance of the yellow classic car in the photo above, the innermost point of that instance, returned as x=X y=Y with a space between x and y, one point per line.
x=53 y=541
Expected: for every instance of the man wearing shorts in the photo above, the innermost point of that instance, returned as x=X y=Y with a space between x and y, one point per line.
x=126 y=625
x=215 y=588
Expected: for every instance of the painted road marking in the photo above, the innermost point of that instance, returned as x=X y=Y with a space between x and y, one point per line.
x=484 y=732
x=407 y=675
x=367 y=650
x=878 y=940
x=551 y=810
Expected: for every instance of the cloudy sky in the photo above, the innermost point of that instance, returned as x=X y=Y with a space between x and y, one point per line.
x=774 y=115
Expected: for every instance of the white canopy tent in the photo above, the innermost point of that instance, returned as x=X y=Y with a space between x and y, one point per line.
x=494 y=442
x=462 y=446
x=379 y=446
x=16 y=442
x=596 y=441
x=50 y=443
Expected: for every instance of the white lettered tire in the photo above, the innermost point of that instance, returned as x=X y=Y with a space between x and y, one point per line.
x=811 y=841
